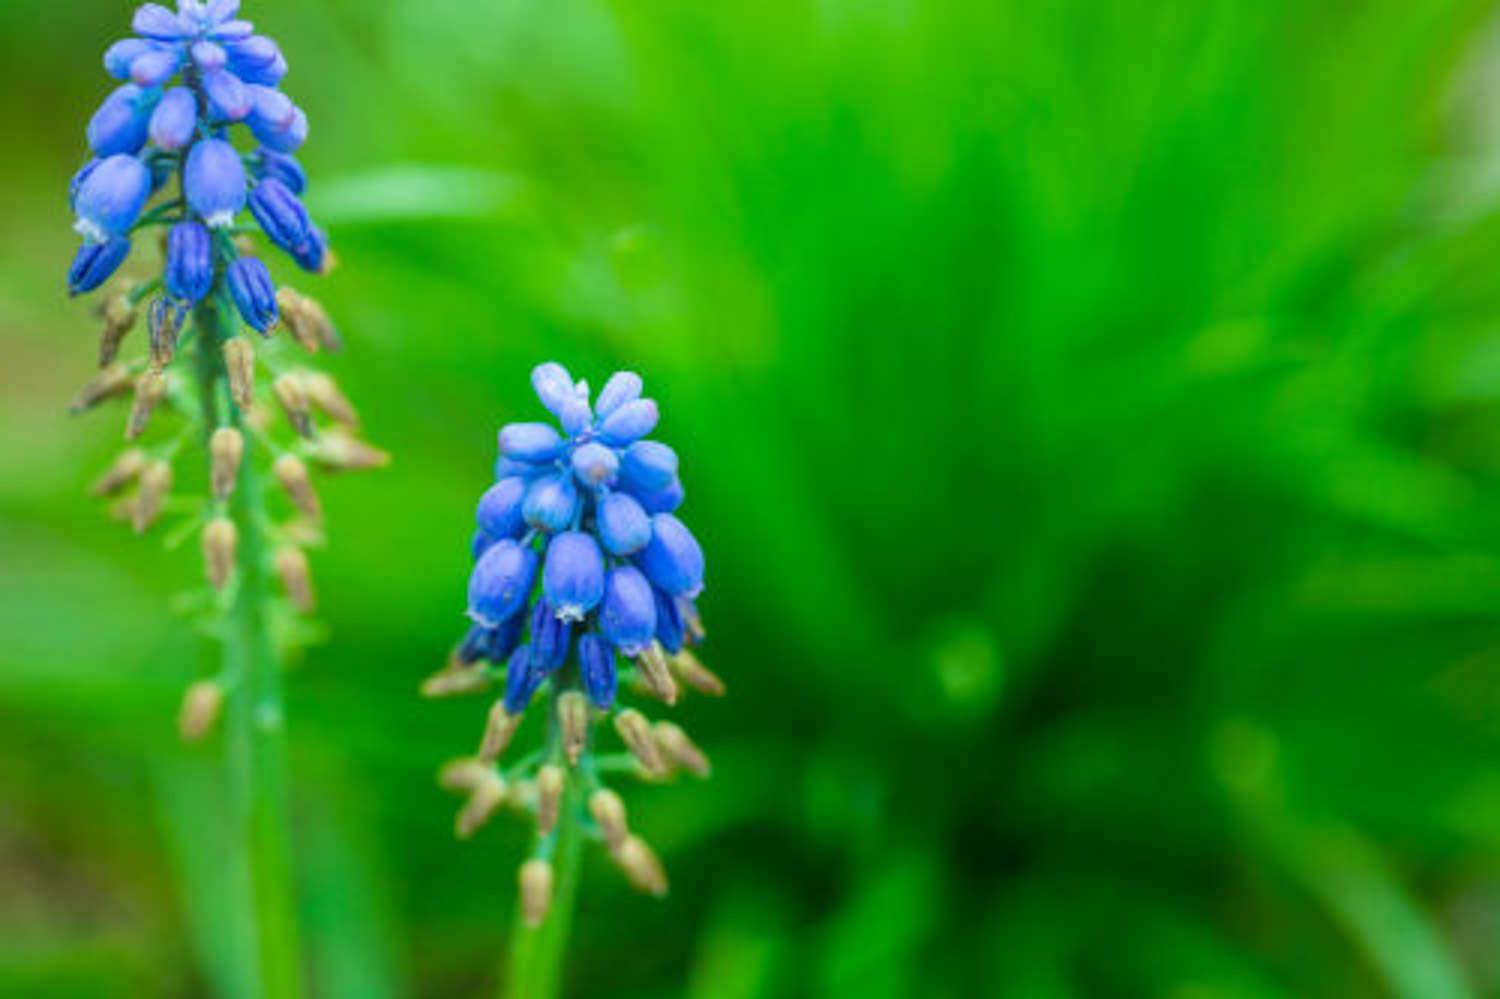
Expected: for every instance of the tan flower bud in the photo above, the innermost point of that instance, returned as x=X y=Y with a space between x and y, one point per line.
x=120 y=474
x=150 y=389
x=288 y=392
x=295 y=315
x=487 y=794
x=239 y=364
x=692 y=622
x=296 y=578
x=292 y=474
x=119 y=318
x=635 y=732
x=550 y=780
x=693 y=673
x=654 y=673
x=535 y=879
x=220 y=538
x=114 y=380
x=679 y=749
x=641 y=866
x=499 y=728
x=463 y=774
x=201 y=703
x=573 y=714
x=340 y=451
x=455 y=679
x=323 y=392
x=163 y=323
x=608 y=810
x=226 y=446
x=156 y=482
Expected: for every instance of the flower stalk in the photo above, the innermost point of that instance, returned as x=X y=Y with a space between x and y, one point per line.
x=256 y=749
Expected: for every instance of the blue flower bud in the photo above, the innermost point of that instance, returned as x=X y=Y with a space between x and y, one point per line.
x=623 y=525
x=218 y=11
x=481 y=543
x=287 y=139
x=226 y=94
x=576 y=416
x=664 y=500
x=553 y=385
x=312 y=256
x=521 y=680
x=550 y=638
x=596 y=666
x=281 y=215
x=190 y=262
x=119 y=56
x=594 y=464
x=283 y=167
x=77 y=181
x=111 y=197
x=670 y=626
x=573 y=576
x=209 y=57
x=175 y=119
x=254 y=293
x=647 y=466
x=120 y=125
x=501 y=582
x=627 y=614
x=508 y=467
x=631 y=421
x=672 y=559
x=95 y=262
x=622 y=387
x=270 y=109
x=214 y=182
x=499 y=513
x=233 y=31
x=491 y=644
x=155 y=66
x=155 y=21
x=530 y=441
x=257 y=59
x=551 y=503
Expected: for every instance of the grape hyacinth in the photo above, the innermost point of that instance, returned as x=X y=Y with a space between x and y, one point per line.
x=195 y=142
x=194 y=81
x=583 y=587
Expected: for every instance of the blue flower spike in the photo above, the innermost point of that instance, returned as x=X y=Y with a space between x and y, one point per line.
x=190 y=77
x=582 y=590
x=191 y=131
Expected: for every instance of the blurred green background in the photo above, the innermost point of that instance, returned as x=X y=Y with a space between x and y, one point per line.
x=1091 y=411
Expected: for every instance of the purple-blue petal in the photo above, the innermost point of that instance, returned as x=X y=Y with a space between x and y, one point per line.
x=627 y=614
x=501 y=582
x=624 y=527
x=632 y=421
x=672 y=560
x=499 y=512
x=175 y=119
x=573 y=575
x=551 y=503
x=622 y=387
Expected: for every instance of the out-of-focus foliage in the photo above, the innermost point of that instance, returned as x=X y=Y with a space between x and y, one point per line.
x=1093 y=416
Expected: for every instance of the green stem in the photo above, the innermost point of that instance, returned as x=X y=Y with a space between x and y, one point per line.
x=252 y=677
x=536 y=955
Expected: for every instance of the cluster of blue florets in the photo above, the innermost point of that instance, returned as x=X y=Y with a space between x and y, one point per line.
x=589 y=511
x=149 y=129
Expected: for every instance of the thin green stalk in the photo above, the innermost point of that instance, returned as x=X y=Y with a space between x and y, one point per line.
x=252 y=676
x=536 y=954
